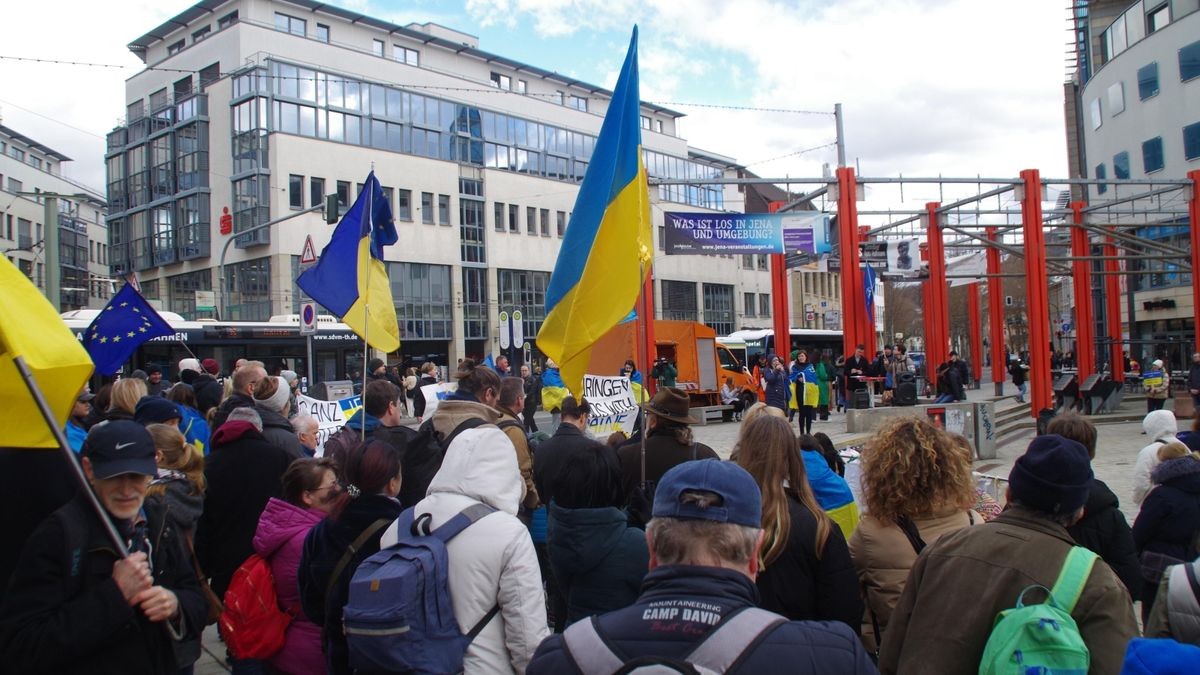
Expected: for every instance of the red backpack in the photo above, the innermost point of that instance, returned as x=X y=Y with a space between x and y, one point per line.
x=252 y=624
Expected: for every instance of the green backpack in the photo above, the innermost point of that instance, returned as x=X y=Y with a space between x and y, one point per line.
x=1043 y=638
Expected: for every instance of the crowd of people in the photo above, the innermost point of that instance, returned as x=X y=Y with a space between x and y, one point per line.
x=562 y=553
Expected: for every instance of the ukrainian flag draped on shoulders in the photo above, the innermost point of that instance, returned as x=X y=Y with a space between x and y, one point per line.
x=607 y=249
x=350 y=278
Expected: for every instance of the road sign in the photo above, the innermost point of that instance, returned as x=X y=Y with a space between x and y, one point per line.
x=810 y=316
x=505 y=331
x=518 y=328
x=308 y=318
x=206 y=301
x=308 y=256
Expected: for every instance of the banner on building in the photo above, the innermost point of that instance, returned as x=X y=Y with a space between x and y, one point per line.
x=612 y=405
x=722 y=233
x=892 y=258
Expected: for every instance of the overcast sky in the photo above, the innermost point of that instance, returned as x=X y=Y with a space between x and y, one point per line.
x=929 y=87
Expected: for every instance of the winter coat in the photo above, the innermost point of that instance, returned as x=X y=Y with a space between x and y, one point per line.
x=832 y=492
x=76 y=435
x=278 y=431
x=419 y=396
x=326 y=543
x=1019 y=372
x=342 y=441
x=1160 y=427
x=280 y=540
x=63 y=613
x=492 y=562
x=804 y=587
x=960 y=583
x=1147 y=656
x=194 y=428
x=696 y=599
x=824 y=377
x=235 y=400
x=665 y=374
x=1193 y=381
x=28 y=502
x=856 y=363
x=557 y=452
x=515 y=430
x=1169 y=521
x=1176 y=612
x=1163 y=390
x=453 y=412
x=777 y=386
x=663 y=452
x=208 y=392
x=883 y=557
x=598 y=560
x=182 y=505
x=243 y=472
x=1104 y=530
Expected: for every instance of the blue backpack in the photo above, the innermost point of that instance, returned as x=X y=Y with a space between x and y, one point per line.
x=399 y=617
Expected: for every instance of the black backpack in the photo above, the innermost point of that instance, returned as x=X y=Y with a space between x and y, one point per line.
x=423 y=458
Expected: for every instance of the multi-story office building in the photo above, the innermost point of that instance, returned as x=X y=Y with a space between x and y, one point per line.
x=1133 y=111
x=29 y=169
x=252 y=110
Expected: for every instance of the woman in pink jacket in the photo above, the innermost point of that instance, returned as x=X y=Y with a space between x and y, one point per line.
x=310 y=489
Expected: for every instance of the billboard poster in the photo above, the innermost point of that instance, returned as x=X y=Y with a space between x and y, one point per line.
x=722 y=233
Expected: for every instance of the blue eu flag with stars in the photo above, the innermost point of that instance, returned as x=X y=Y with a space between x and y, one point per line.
x=124 y=324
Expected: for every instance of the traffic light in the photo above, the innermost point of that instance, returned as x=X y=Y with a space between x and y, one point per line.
x=332 y=210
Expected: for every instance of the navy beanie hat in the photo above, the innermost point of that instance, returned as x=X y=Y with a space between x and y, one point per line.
x=1054 y=475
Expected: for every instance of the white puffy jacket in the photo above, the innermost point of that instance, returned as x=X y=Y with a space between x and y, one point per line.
x=1161 y=427
x=492 y=561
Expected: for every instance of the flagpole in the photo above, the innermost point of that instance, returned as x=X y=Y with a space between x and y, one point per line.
x=69 y=456
x=642 y=358
x=367 y=296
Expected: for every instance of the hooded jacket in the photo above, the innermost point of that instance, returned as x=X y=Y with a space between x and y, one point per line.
x=698 y=598
x=278 y=431
x=598 y=560
x=243 y=472
x=515 y=430
x=777 y=388
x=1169 y=521
x=208 y=391
x=194 y=428
x=961 y=582
x=1160 y=426
x=339 y=445
x=492 y=562
x=235 y=400
x=280 y=539
x=1104 y=530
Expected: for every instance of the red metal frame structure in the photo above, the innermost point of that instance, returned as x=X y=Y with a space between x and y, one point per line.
x=937 y=312
x=975 y=324
x=1036 y=290
x=854 y=308
x=995 y=291
x=1081 y=277
x=780 y=311
x=1112 y=309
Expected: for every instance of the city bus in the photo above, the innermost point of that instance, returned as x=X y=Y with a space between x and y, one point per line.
x=337 y=351
x=751 y=343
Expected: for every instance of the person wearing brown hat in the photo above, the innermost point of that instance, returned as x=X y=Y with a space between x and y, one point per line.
x=668 y=442
x=961 y=582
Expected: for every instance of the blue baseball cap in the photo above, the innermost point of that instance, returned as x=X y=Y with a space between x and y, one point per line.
x=120 y=447
x=740 y=497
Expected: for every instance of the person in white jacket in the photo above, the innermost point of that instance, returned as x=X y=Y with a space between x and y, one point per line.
x=492 y=562
x=1161 y=427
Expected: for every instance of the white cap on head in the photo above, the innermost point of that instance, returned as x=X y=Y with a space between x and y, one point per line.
x=1157 y=363
x=190 y=364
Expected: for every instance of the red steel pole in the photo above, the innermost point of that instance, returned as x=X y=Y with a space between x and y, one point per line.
x=1037 y=292
x=976 y=326
x=853 y=306
x=1085 y=320
x=1194 y=227
x=779 y=298
x=995 y=290
x=939 y=338
x=646 y=315
x=1112 y=310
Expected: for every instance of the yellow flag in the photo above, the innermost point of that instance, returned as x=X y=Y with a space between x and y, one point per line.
x=31 y=328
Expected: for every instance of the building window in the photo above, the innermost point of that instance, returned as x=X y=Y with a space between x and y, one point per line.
x=296 y=191
x=1189 y=62
x=423 y=300
x=679 y=301
x=1158 y=17
x=1152 y=154
x=1101 y=174
x=1147 y=81
x=525 y=290
x=1094 y=114
x=181 y=293
x=645 y=123
x=498 y=212
x=192 y=223
x=1191 y=141
x=427 y=208
x=201 y=34
x=227 y=20
x=378 y=47
x=748 y=304
x=1121 y=165
x=514 y=213
x=471 y=230
x=174 y=48
x=444 y=210
x=748 y=262
x=530 y=220
x=658 y=126
x=290 y=24
x=248 y=290
x=762 y=262
x=343 y=196
x=316 y=191
x=578 y=103
x=475 y=305
x=544 y=221
x=562 y=223
x=764 y=305
x=1116 y=99
x=405 y=55
x=522 y=86
x=404 y=205
x=718 y=308
x=560 y=98
x=501 y=81
x=14 y=185
x=323 y=32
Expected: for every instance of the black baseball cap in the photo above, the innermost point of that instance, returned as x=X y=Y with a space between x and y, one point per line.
x=120 y=447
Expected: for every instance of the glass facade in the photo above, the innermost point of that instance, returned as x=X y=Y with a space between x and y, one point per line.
x=248 y=290
x=718 y=308
x=525 y=290
x=679 y=301
x=475 y=303
x=181 y=294
x=422 y=295
x=1161 y=273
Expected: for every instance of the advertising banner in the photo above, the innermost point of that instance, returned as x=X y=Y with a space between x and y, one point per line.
x=721 y=233
x=612 y=404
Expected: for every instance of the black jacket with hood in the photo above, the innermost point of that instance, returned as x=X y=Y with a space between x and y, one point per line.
x=1104 y=530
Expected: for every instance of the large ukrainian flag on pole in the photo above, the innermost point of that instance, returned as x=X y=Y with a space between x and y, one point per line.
x=350 y=279
x=607 y=249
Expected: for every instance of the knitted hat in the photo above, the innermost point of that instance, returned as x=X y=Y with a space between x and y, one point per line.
x=155 y=410
x=277 y=400
x=374 y=365
x=1054 y=475
x=211 y=366
x=189 y=364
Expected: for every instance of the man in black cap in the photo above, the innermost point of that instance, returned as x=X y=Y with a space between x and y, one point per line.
x=155 y=386
x=963 y=580
x=697 y=604
x=156 y=410
x=74 y=605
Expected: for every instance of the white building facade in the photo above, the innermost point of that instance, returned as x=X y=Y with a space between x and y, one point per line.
x=27 y=170
x=256 y=109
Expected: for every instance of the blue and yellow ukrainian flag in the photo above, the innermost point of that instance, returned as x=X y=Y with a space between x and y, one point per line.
x=350 y=279
x=608 y=248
